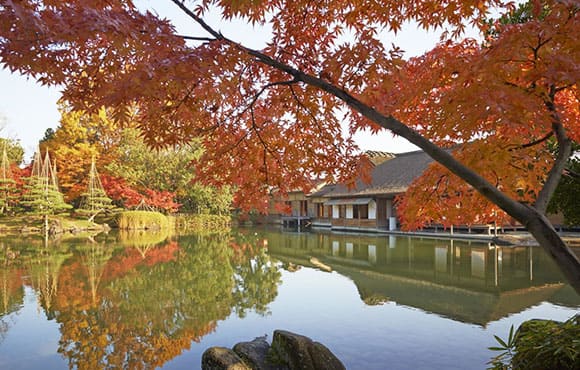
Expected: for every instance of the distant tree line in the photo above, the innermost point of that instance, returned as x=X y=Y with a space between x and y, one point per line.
x=131 y=174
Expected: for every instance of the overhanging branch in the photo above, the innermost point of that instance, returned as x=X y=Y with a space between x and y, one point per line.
x=564 y=152
x=533 y=143
x=512 y=207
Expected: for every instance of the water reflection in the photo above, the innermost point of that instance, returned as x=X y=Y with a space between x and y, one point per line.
x=136 y=301
x=139 y=300
x=469 y=282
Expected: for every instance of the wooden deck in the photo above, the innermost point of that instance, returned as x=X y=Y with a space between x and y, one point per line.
x=299 y=222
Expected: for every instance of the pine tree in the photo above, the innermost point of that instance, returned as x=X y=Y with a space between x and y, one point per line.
x=42 y=196
x=95 y=200
x=7 y=185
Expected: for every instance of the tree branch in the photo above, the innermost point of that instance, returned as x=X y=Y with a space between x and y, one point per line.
x=195 y=38
x=511 y=206
x=535 y=142
x=564 y=152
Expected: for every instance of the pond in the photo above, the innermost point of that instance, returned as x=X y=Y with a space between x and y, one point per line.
x=146 y=300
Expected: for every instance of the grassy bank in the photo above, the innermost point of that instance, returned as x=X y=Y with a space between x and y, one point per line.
x=57 y=225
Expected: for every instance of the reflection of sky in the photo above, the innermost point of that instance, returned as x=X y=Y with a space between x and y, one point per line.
x=32 y=340
x=325 y=306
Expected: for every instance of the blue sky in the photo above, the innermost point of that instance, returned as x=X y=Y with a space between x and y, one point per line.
x=29 y=109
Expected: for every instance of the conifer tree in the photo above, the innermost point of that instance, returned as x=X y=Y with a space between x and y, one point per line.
x=7 y=184
x=95 y=200
x=42 y=196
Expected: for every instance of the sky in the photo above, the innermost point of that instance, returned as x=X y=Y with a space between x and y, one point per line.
x=29 y=109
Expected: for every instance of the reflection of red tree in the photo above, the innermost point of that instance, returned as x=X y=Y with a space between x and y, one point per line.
x=73 y=281
x=74 y=287
x=10 y=289
x=246 y=251
x=132 y=258
x=162 y=254
x=118 y=334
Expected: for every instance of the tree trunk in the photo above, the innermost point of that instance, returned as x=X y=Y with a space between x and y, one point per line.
x=539 y=226
x=534 y=221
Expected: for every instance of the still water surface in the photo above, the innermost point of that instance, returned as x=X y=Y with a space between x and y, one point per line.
x=150 y=301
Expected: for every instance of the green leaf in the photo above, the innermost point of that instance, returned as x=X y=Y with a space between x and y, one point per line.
x=500 y=341
x=496 y=348
x=511 y=336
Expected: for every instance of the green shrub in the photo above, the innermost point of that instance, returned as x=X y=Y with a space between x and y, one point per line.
x=540 y=344
x=143 y=220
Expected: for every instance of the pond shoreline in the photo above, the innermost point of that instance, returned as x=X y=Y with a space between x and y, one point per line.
x=59 y=225
x=505 y=239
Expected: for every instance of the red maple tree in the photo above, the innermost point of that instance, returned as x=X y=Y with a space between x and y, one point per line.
x=272 y=117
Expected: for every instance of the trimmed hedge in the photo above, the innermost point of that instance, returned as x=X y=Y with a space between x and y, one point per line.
x=143 y=220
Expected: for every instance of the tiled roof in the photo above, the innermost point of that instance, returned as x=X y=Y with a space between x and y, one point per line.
x=324 y=190
x=377 y=157
x=390 y=177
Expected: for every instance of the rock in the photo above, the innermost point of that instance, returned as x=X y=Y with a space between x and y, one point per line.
x=316 y=262
x=220 y=358
x=292 y=267
x=323 y=358
x=301 y=353
x=289 y=351
x=256 y=354
x=292 y=349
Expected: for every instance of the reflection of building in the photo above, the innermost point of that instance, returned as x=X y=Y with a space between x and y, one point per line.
x=469 y=282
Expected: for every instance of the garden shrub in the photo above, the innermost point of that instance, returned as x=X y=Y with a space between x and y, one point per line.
x=540 y=344
x=143 y=220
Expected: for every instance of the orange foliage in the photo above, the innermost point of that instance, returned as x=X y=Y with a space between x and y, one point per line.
x=273 y=117
x=131 y=258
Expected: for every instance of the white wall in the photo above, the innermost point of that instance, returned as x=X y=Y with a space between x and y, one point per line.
x=372 y=210
x=335 y=212
x=349 y=211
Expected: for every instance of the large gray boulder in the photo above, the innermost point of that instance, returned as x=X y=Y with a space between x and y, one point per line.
x=220 y=358
x=257 y=355
x=289 y=351
x=302 y=353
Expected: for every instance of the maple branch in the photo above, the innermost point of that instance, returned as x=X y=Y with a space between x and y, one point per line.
x=256 y=128
x=437 y=184
x=201 y=22
x=272 y=84
x=195 y=38
x=517 y=210
x=264 y=145
x=309 y=112
x=564 y=152
x=535 y=142
x=399 y=128
x=533 y=218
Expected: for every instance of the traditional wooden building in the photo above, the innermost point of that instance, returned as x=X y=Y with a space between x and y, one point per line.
x=369 y=206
